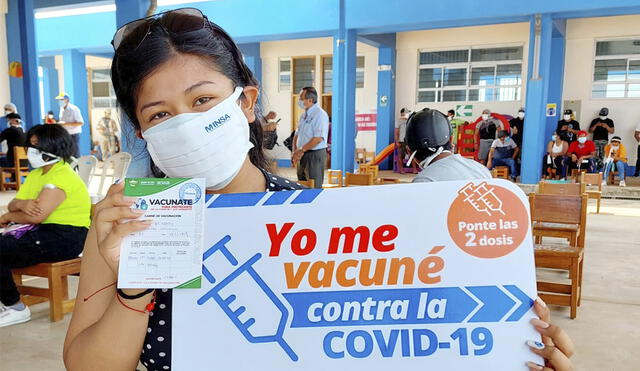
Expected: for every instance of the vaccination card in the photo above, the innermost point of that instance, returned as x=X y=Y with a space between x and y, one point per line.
x=169 y=253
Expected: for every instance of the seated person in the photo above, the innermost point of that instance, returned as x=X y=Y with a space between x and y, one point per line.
x=14 y=135
x=582 y=153
x=54 y=203
x=555 y=160
x=616 y=156
x=503 y=152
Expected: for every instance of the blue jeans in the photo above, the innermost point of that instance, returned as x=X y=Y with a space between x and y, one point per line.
x=509 y=162
x=621 y=166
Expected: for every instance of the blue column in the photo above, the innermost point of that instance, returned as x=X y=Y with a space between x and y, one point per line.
x=21 y=45
x=51 y=85
x=344 y=101
x=386 y=88
x=77 y=86
x=251 y=54
x=127 y=11
x=544 y=88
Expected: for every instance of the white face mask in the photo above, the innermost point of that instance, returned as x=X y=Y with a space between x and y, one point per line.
x=61 y=103
x=567 y=117
x=521 y=115
x=554 y=137
x=301 y=104
x=449 y=118
x=582 y=140
x=35 y=158
x=485 y=117
x=603 y=118
x=615 y=146
x=211 y=144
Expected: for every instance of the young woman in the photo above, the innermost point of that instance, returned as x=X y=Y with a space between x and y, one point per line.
x=555 y=161
x=175 y=76
x=53 y=205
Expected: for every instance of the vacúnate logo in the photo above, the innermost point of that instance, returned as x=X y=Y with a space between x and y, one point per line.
x=170 y=202
x=216 y=123
x=487 y=221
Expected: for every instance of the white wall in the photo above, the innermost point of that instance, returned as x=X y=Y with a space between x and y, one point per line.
x=280 y=102
x=409 y=44
x=5 y=93
x=579 y=61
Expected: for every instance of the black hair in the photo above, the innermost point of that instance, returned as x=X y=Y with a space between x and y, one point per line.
x=52 y=139
x=422 y=154
x=212 y=44
x=451 y=112
x=12 y=116
x=309 y=92
x=404 y=110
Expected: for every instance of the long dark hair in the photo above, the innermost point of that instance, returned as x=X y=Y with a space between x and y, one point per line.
x=212 y=44
x=52 y=139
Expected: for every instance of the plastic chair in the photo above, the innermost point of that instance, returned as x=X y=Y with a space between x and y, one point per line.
x=86 y=168
x=119 y=164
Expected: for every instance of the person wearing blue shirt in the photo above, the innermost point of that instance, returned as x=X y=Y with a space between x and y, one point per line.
x=310 y=140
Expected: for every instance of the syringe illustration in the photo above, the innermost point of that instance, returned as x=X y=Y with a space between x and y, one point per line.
x=265 y=310
x=482 y=198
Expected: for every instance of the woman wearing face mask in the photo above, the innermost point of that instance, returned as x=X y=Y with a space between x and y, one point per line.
x=183 y=84
x=582 y=153
x=555 y=161
x=53 y=205
x=616 y=155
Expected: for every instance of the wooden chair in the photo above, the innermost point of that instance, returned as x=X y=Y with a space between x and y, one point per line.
x=556 y=256
x=359 y=179
x=11 y=177
x=388 y=180
x=593 y=182
x=334 y=179
x=552 y=217
x=361 y=156
x=369 y=156
x=613 y=178
x=369 y=169
x=307 y=183
x=576 y=174
x=58 y=291
x=574 y=189
x=500 y=172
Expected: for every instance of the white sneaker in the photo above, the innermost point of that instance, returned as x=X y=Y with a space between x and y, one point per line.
x=623 y=183
x=10 y=316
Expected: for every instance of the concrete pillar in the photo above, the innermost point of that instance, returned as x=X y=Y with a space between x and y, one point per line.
x=386 y=96
x=343 y=102
x=50 y=83
x=251 y=54
x=127 y=11
x=77 y=87
x=22 y=48
x=543 y=86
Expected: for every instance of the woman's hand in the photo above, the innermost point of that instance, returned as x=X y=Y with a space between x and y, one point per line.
x=4 y=221
x=110 y=229
x=31 y=207
x=556 y=347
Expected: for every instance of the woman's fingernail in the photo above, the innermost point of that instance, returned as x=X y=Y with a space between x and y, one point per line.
x=539 y=323
x=535 y=344
x=118 y=181
x=534 y=366
x=541 y=302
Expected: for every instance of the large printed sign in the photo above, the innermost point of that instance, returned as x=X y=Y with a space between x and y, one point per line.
x=435 y=276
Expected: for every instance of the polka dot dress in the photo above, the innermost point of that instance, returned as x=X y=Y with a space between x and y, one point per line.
x=156 y=351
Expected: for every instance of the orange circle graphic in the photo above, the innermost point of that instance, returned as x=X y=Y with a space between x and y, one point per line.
x=487 y=221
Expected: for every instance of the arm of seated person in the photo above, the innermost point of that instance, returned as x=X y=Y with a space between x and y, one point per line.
x=515 y=152
x=48 y=200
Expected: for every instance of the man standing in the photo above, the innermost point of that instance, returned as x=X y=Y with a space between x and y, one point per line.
x=601 y=127
x=486 y=131
x=14 y=135
x=568 y=128
x=310 y=140
x=108 y=128
x=517 y=127
x=71 y=119
x=400 y=131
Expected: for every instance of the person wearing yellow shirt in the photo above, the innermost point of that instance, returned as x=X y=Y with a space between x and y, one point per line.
x=616 y=155
x=49 y=218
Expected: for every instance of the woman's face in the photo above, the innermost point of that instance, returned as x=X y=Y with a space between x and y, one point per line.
x=186 y=83
x=34 y=141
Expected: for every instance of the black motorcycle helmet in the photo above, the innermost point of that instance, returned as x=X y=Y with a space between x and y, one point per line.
x=427 y=130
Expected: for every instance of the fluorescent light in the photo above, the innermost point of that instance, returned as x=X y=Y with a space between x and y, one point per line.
x=76 y=10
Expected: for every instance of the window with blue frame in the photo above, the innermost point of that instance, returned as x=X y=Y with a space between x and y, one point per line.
x=470 y=74
x=616 y=69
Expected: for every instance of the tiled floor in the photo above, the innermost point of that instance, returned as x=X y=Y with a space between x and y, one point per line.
x=606 y=331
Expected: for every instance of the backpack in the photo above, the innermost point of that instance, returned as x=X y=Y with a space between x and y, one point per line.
x=270 y=139
x=289 y=141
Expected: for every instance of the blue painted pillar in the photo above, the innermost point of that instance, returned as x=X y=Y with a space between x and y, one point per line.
x=251 y=54
x=386 y=97
x=542 y=88
x=343 y=108
x=51 y=85
x=127 y=11
x=77 y=87
x=21 y=45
